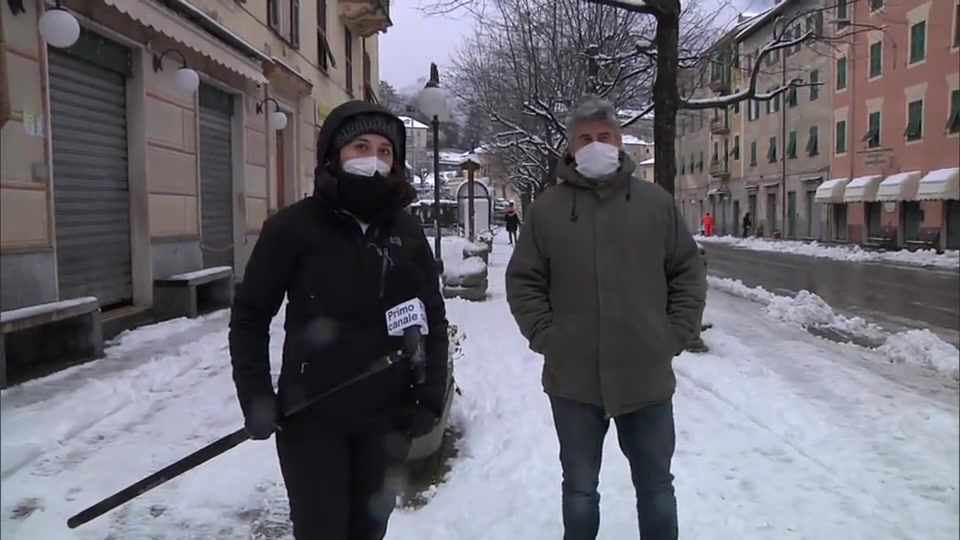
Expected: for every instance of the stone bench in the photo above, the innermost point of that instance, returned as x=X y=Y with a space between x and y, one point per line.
x=193 y=293
x=67 y=330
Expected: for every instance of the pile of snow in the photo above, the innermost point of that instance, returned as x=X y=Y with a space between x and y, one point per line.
x=853 y=253
x=920 y=347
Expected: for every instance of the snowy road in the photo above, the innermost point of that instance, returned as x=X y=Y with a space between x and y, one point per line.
x=781 y=435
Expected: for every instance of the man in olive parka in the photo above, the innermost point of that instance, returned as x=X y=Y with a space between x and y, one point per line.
x=606 y=283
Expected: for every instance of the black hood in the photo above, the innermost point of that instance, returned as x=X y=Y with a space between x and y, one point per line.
x=337 y=117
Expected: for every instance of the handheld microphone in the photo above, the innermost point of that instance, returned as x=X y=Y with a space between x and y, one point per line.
x=408 y=316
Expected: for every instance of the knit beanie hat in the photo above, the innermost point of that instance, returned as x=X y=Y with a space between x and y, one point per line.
x=360 y=124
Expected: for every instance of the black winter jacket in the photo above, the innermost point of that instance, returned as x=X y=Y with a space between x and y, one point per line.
x=333 y=276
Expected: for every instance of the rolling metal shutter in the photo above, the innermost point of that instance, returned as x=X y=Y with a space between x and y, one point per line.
x=216 y=177
x=90 y=177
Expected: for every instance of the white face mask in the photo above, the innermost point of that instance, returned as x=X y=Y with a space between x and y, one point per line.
x=366 y=166
x=597 y=159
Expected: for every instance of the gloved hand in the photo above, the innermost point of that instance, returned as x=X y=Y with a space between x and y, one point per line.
x=260 y=417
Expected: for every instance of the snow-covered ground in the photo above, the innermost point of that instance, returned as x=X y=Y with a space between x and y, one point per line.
x=780 y=435
x=922 y=257
x=920 y=347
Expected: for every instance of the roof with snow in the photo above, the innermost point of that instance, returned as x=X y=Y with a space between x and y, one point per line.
x=635 y=141
x=650 y=161
x=413 y=123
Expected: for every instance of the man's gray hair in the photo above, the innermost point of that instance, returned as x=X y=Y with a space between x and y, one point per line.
x=592 y=109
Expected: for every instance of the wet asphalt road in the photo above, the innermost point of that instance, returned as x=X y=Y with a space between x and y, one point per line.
x=891 y=295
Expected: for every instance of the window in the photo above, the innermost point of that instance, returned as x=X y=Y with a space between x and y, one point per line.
x=956 y=25
x=753 y=110
x=914 y=131
x=814 y=82
x=735 y=153
x=841 y=137
x=700 y=162
x=841 y=73
x=813 y=143
x=792 y=145
x=842 y=10
x=953 y=123
x=918 y=42
x=876 y=59
x=872 y=137
x=876 y=4
x=772 y=150
x=716 y=153
x=348 y=59
x=324 y=53
x=683 y=166
x=283 y=17
x=792 y=97
x=753 y=153
x=776 y=103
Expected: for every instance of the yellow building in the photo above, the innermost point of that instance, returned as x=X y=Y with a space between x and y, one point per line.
x=114 y=174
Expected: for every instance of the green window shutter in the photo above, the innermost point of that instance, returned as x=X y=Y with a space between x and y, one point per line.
x=814 y=80
x=716 y=153
x=700 y=162
x=953 y=123
x=736 y=147
x=841 y=137
x=876 y=4
x=753 y=153
x=918 y=42
x=872 y=137
x=813 y=144
x=772 y=150
x=683 y=166
x=792 y=96
x=841 y=73
x=792 y=145
x=914 y=131
x=876 y=59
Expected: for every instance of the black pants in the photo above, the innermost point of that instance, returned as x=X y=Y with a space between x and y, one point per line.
x=647 y=440
x=341 y=486
x=512 y=235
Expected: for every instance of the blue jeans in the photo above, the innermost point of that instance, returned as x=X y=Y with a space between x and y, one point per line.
x=647 y=439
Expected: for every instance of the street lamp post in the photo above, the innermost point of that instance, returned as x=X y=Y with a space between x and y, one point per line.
x=432 y=101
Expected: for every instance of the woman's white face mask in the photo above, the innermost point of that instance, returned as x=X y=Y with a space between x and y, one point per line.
x=366 y=166
x=597 y=159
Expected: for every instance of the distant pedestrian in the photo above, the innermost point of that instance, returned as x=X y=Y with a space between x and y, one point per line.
x=708 y=224
x=513 y=221
x=607 y=284
x=747 y=224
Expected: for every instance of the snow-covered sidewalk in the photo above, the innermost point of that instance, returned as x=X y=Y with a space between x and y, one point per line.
x=780 y=435
x=923 y=257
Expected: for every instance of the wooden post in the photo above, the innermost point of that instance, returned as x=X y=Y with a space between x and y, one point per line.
x=471 y=166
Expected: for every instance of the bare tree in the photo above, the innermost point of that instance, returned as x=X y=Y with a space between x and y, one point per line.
x=536 y=65
x=532 y=60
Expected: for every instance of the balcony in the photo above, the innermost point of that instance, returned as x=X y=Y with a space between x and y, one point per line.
x=366 y=17
x=720 y=169
x=719 y=125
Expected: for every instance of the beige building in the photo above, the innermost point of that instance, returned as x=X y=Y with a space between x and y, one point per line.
x=113 y=176
x=762 y=157
x=418 y=152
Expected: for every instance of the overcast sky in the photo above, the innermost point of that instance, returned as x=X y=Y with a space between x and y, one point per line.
x=416 y=39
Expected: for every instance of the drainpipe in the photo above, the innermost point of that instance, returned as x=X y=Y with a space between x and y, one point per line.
x=783 y=144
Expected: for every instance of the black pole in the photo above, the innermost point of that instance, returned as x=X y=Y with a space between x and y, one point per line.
x=213 y=450
x=436 y=192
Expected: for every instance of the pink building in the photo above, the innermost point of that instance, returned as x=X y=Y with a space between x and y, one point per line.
x=896 y=129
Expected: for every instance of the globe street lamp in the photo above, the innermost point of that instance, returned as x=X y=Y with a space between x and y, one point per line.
x=432 y=101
